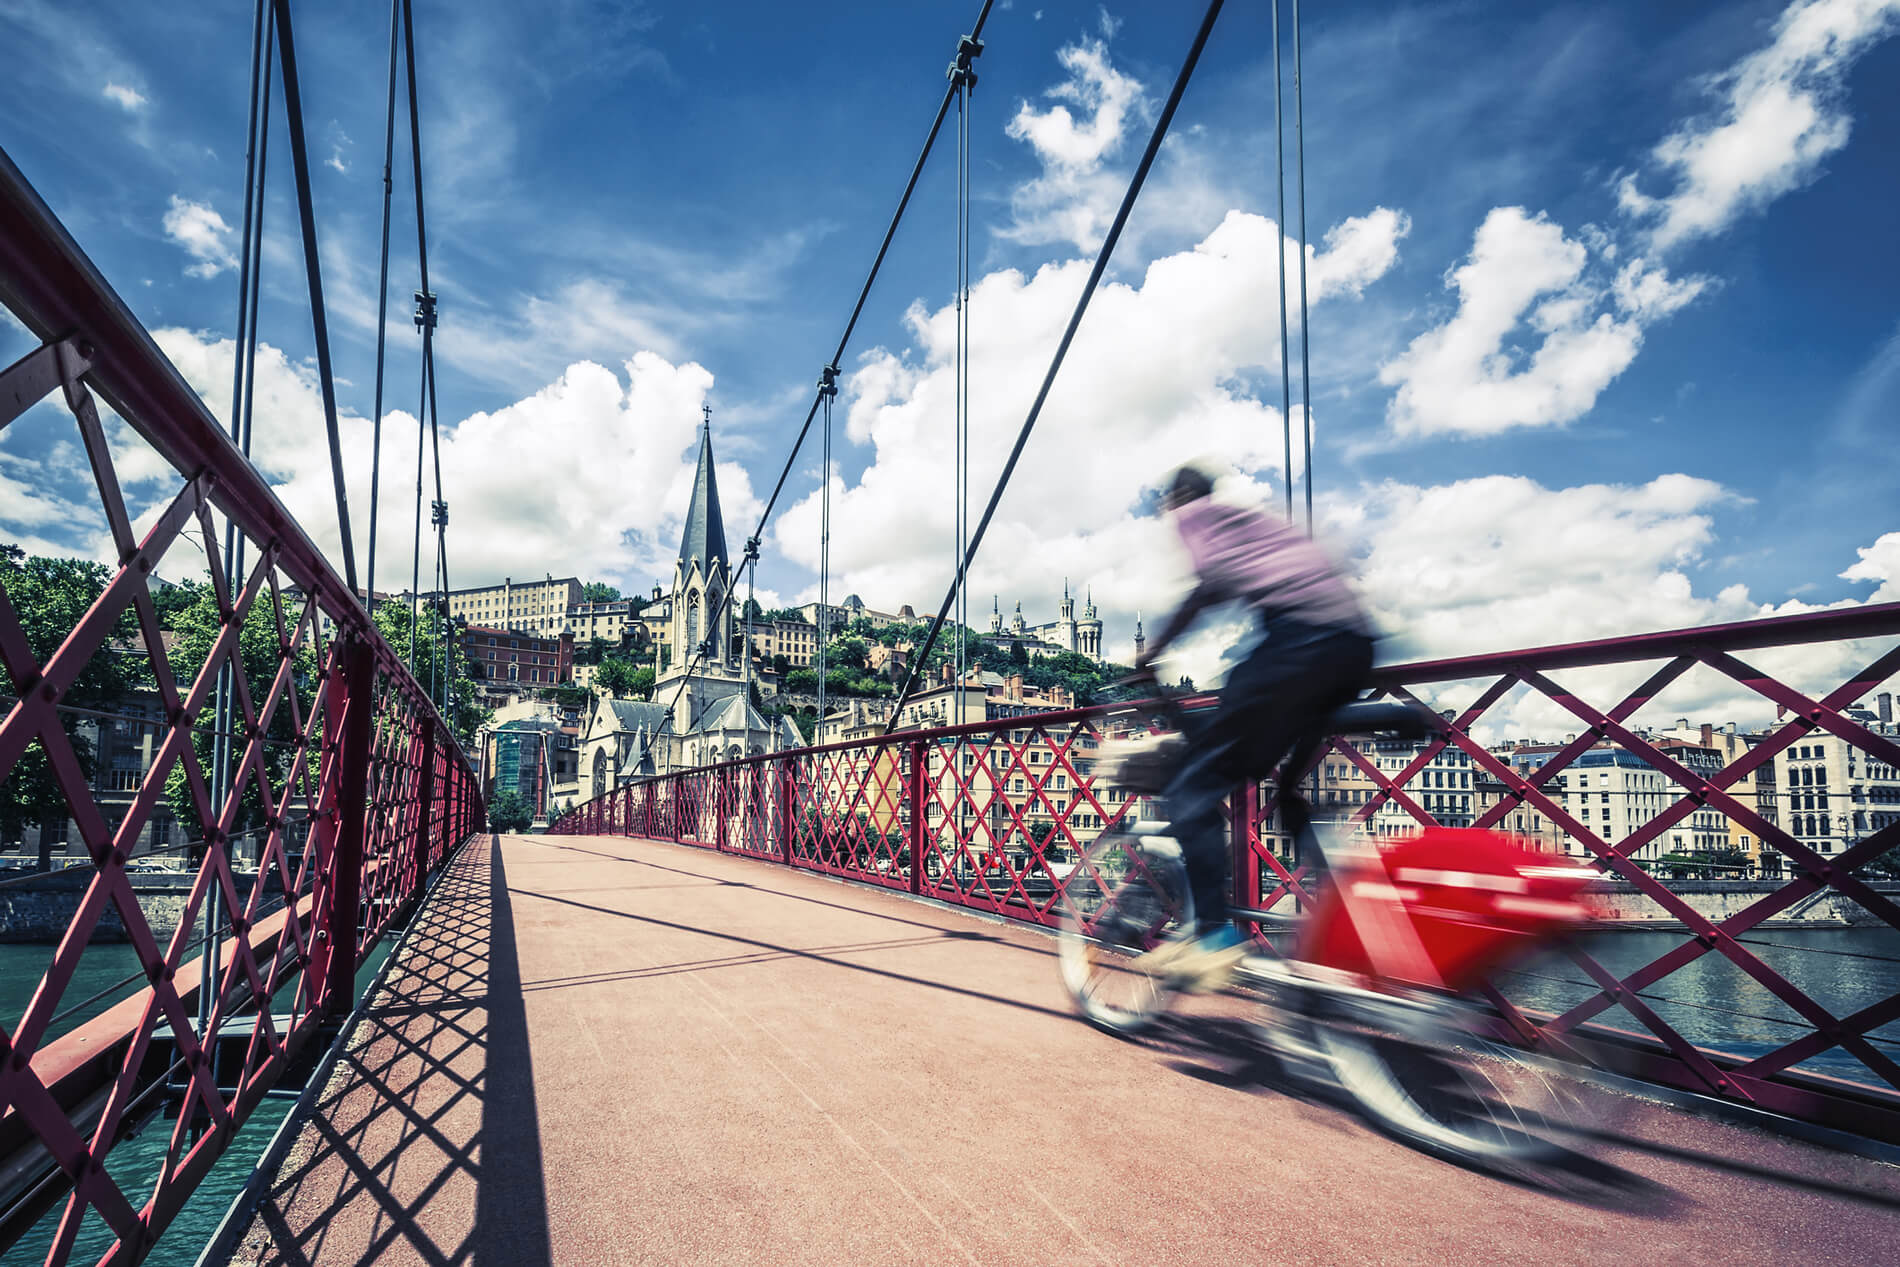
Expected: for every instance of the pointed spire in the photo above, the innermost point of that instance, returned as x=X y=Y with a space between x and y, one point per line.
x=705 y=536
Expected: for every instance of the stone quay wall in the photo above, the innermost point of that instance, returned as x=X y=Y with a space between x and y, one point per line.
x=40 y=911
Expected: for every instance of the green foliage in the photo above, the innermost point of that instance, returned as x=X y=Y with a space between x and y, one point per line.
x=1017 y=655
x=781 y=665
x=572 y=698
x=596 y=649
x=173 y=599
x=467 y=715
x=509 y=811
x=599 y=592
x=50 y=597
x=849 y=653
x=198 y=628
x=623 y=679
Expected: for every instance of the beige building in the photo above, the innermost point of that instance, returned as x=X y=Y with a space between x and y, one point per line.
x=612 y=622
x=536 y=607
x=1833 y=794
x=796 y=640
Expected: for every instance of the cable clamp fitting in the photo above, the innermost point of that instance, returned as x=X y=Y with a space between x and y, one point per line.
x=425 y=310
x=752 y=549
x=828 y=381
x=961 y=73
x=439 y=514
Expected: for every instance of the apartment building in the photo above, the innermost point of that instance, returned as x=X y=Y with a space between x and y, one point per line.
x=1834 y=795
x=504 y=659
x=534 y=607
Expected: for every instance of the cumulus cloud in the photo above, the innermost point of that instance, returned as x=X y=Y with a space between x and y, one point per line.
x=125 y=98
x=1779 y=115
x=202 y=232
x=1880 y=564
x=1502 y=561
x=1075 y=197
x=1158 y=374
x=588 y=476
x=1497 y=563
x=1467 y=377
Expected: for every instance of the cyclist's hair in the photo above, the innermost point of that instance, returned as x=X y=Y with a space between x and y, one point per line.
x=1189 y=483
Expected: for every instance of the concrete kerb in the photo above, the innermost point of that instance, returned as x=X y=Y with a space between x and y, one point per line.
x=243 y=1208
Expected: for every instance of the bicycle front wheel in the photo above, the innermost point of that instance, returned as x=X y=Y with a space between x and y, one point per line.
x=1461 y=1096
x=1127 y=896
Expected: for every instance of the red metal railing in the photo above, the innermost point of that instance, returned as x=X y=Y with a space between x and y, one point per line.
x=991 y=816
x=340 y=769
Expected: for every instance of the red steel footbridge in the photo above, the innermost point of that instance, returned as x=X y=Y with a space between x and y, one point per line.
x=803 y=1006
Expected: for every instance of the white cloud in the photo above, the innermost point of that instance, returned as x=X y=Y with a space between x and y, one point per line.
x=588 y=476
x=1879 y=562
x=1501 y=561
x=1464 y=377
x=1158 y=374
x=203 y=233
x=1779 y=116
x=125 y=98
x=1074 y=198
x=1497 y=563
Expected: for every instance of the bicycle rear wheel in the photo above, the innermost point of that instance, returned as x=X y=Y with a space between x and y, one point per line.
x=1128 y=895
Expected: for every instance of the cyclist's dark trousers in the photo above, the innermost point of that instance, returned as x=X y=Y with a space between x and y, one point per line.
x=1275 y=700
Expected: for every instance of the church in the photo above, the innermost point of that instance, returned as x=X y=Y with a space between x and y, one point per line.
x=700 y=713
x=1065 y=633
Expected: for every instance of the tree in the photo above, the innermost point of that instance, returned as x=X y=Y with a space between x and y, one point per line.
x=198 y=628
x=1017 y=655
x=781 y=665
x=50 y=597
x=850 y=653
x=466 y=714
x=753 y=611
x=509 y=812
x=594 y=652
x=599 y=592
x=622 y=679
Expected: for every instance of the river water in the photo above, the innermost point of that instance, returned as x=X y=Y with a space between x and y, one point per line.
x=1712 y=1002
x=134 y=1163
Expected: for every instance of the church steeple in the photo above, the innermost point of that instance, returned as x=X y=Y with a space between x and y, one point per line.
x=705 y=536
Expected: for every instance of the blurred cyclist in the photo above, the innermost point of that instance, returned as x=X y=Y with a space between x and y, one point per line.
x=1316 y=656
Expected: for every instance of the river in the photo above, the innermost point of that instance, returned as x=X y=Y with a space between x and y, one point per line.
x=134 y=1163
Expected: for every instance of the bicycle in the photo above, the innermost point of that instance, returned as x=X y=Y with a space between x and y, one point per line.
x=1376 y=997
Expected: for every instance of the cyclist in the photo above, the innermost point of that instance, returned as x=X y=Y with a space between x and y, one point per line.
x=1314 y=658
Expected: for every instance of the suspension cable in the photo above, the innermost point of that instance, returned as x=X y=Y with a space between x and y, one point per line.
x=300 y=165
x=382 y=308
x=963 y=76
x=221 y=789
x=1279 y=269
x=1062 y=349
x=831 y=367
x=827 y=392
x=1299 y=149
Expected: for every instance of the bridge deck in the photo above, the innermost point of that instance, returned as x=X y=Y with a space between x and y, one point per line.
x=615 y=1051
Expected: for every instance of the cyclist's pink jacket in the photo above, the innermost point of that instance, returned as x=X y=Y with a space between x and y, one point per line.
x=1261 y=559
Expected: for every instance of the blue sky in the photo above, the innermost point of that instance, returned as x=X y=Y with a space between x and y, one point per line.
x=1606 y=337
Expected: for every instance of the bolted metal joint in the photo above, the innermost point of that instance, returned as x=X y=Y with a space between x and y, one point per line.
x=439 y=514
x=425 y=310
x=961 y=73
x=828 y=381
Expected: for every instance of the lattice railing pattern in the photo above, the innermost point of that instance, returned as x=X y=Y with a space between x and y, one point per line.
x=345 y=787
x=993 y=817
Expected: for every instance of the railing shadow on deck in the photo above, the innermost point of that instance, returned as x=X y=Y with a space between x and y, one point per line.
x=426 y=1139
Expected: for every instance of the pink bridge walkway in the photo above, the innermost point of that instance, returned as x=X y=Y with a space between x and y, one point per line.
x=603 y=1050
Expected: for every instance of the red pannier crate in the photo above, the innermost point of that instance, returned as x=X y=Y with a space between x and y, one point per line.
x=1447 y=907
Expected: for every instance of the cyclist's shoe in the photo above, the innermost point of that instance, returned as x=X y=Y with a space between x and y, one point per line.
x=1202 y=965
